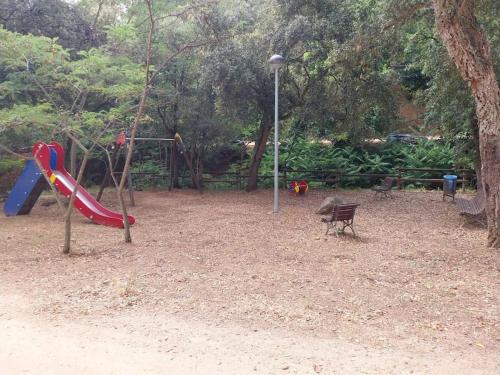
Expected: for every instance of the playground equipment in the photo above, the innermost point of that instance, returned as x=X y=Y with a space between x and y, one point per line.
x=30 y=184
x=122 y=142
x=297 y=188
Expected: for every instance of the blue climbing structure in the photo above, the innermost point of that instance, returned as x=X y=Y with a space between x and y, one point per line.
x=26 y=191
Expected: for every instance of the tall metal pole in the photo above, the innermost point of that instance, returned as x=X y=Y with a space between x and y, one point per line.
x=276 y=61
x=276 y=148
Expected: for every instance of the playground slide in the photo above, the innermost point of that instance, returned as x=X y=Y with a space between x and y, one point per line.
x=51 y=158
x=26 y=191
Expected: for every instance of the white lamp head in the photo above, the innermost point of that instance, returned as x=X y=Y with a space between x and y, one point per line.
x=276 y=61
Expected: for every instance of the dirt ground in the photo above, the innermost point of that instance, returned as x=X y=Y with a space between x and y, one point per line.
x=217 y=284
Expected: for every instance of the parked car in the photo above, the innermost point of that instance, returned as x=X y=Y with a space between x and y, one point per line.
x=403 y=138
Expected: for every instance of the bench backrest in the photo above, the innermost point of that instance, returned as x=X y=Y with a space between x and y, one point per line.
x=479 y=200
x=344 y=211
x=475 y=206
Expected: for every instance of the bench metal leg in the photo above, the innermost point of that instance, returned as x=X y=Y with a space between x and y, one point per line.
x=328 y=227
x=348 y=224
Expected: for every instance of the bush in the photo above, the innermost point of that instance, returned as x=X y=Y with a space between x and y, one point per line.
x=382 y=158
x=9 y=172
x=9 y=165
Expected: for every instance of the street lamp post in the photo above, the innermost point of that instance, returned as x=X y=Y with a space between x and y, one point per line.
x=276 y=61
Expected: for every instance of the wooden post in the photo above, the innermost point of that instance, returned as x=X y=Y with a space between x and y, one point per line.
x=284 y=177
x=464 y=180
x=109 y=169
x=171 y=167
x=399 y=179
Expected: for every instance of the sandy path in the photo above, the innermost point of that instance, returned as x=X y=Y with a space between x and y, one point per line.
x=214 y=284
x=30 y=345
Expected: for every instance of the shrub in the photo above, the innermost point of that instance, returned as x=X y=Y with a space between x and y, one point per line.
x=383 y=158
x=9 y=172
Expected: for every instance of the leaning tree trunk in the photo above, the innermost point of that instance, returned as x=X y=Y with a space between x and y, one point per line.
x=135 y=124
x=469 y=49
x=110 y=168
x=175 y=167
x=258 y=152
x=72 y=158
x=188 y=158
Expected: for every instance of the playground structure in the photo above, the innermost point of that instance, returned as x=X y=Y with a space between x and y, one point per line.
x=31 y=182
x=122 y=142
x=298 y=188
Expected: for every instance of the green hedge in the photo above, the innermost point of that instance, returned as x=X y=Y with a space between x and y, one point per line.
x=9 y=172
x=383 y=158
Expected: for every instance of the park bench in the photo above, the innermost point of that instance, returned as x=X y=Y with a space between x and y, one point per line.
x=473 y=209
x=342 y=214
x=385 y=187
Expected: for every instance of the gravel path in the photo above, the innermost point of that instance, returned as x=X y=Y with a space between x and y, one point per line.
x=217 y=281
x=177 y=347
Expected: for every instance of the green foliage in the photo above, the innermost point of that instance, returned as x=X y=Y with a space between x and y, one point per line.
x=9 y=172
x=42 y=91
x=121 y=39
x=23 y=122
x=343 y=80
x=9 y=165
x=51 y=18
x=450 y=108
x=319 y=160
x=148 y=173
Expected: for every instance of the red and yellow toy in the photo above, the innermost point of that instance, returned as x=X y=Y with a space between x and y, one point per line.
x=298 y=187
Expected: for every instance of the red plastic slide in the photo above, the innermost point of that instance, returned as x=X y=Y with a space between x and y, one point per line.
x=51 y=157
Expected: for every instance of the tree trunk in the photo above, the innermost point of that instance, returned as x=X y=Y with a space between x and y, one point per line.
x=135 y=125
x=188 y=158
x=72 y=158
x=258 y=152
x=199 y=169
x=107 y=175
x=469 y=49
x=67 y=160
x=69 y=209
x=175 y=167
x=477 y=150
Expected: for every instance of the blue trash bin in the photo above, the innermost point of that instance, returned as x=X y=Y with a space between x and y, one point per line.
x=449 y=186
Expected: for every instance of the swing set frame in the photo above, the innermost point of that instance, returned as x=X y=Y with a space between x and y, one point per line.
x=123 y=140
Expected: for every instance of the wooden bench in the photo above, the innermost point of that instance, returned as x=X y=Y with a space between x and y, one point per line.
x=474 y=209
x=342 y=214
x=385 y=187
